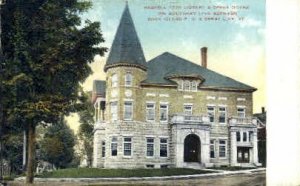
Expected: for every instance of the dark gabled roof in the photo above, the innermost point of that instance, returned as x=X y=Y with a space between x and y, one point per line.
x=99 y=87
x=126 y=48
x=167 y=65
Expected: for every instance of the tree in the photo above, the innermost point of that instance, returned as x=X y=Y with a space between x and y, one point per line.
x=86 y=120
x=57 y=146
x=48 y=52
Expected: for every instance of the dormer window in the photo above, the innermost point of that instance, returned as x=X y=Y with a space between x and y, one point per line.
x=193 y=86
x=128 y=79
x=114 y=80
x=187 y=85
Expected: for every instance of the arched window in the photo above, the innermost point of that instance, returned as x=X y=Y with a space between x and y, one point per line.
x=128 y=79
x=114 y=80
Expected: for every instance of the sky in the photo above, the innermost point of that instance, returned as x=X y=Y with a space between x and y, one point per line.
x=236 y=48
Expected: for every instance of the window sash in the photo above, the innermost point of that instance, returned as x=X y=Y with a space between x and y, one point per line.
x=128 y=79
x=222 y=148
x=186 y=85
x=150 y=147
x=244 y=136
x=114 y=110
x=114 y=148
x=241 y=112
x=150 y=111
x=222 y=115
x=188 y=109
x=193 y=85
x=163 y=147
x=211 y=113
x=212 y=149
x=127 y=146
x=128 y=110
x=114 y=80
x=163 y=112
x=238 y=136
x=103 y=149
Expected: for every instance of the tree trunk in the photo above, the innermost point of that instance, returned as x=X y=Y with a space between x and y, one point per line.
x=31 y=154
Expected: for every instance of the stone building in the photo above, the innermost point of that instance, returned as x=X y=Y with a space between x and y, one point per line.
x=169 y=112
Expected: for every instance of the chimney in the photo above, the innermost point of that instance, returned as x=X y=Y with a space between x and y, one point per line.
x=204 y=57
x=263 y=110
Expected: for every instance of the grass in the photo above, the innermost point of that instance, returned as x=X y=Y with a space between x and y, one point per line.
x=106 y=173
x=232 y=168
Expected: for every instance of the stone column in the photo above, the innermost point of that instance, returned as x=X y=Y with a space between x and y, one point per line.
x=233 y=148
x=95 y=150
x=255 y=150
x=205 y=142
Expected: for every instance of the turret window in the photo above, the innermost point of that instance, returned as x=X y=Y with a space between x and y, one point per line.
x=114 y=110
x=193 y=86
x=128 y=110
x=128 y=79
x=186 y=85
x=114 y=80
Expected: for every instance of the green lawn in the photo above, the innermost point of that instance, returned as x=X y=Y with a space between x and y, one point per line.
x=104 y=173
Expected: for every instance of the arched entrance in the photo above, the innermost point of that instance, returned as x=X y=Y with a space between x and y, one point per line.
x=192 y=148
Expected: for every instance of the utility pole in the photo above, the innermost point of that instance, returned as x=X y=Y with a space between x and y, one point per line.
x=1 y=97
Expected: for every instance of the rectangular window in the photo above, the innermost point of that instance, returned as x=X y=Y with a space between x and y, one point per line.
x=114 y=146
x=222 y=114
x=163 y=112
x=241 y=112
x=127 y=146
x=150 y=111
x=211 y=113
x=244 y=136
x=222 y=148
x=163 y=147
x=114 y=110
x=238 y=136
x=128 y=110
x=150 y=147
x=250 y=136
x=128 y=79
x=212 y=149
x=114 y=80
x=103 y=149
x=188 y=110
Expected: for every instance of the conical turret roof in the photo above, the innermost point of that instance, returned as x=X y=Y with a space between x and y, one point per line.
x=126 y=49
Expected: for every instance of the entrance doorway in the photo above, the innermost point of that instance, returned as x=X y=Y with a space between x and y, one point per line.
x=243 y=155
x=192 y=148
